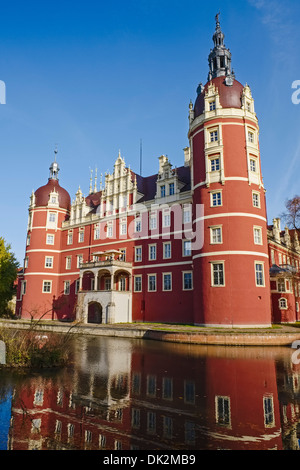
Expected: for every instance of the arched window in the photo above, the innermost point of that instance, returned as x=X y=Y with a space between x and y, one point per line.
x=283 y=304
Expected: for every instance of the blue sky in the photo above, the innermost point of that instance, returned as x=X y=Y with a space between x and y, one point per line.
x=96 y=77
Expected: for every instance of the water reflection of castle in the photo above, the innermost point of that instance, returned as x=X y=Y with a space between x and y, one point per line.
x=126 y=396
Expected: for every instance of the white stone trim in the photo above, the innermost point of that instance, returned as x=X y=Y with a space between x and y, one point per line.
x=230 y=253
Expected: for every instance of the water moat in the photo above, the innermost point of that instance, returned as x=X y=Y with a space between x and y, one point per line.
x=130 y=394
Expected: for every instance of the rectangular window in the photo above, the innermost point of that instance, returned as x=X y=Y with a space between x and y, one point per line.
x=138 y=254
x=138 y=225
x=167 y=281
x=257 y=236
x=123 y=228
x=216 y=199
x=47 y=286
x=67 y=287
x=151 y=385
x=77 y=285
x=171 y=189
x=151 y=422
x=79 y=260
x=216 y=235
x=52 y=217
x=187 y=217
x=281 y=285
x=167 y=250
x=26 y=260
x=23 y=287
x=109 y=230
x=70 y=238
x=218 y=278
x=152 y=252
x=137 y=283
x=187 y=248
x=223 y=413
x=68 y=262
x=81 y=236
x=215 y=164
x=167 y=388
x=212 y=106
x=162 y=191
x=50 y=239
x=256 y=199
x=259 y=274
x=152 y=282
x=269 y=412
x=49 y=262
x=167 y=427
x=153 y=221
x=166 y=218
x=214 y=136
x=135 y=418
x=107 y=283
x=250 y=137
x=96 y=232
x=187 y=281
x=253 y=165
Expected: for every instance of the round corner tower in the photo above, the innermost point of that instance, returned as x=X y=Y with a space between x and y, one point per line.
x=49 y=208
x=231 y=269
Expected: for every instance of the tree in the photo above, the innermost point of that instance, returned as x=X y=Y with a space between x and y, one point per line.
x=292 y=214
x=8 y=274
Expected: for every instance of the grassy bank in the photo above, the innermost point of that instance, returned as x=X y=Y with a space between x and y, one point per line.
x=31 y=348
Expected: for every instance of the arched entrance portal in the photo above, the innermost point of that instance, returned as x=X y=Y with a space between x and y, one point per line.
x=94 y=313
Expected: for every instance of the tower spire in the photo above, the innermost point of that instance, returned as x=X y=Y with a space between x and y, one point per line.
x=54 y=168
x=220 y=57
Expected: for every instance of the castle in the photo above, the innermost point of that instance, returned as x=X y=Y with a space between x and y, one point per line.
x=185 y=245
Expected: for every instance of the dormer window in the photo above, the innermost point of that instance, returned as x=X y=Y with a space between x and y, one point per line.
x=171 y=189
x=163 y=191
x=212 y=106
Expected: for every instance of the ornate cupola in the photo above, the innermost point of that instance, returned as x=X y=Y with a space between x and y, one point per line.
x=220 y=57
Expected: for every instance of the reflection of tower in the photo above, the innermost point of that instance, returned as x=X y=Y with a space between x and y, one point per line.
x=231 y=278
x=49 y=208
x=108 y=366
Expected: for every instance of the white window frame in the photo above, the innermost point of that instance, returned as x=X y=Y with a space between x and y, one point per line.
x=216 y=239
x=137 y=276
x=163 y=282
x=70 y=238
x=256 y=203
x=165 y=244
x=186 y=253
x=138 y=257
x=215 y=193
x=280 y=301
x=50 y=285
x=67 y=287
x=257 y=234
x=68 y=262
x=48 y=238
x=79 y=260
x=215 y=161
x=81 y=235
x=152 y=275
x=184 y=273
x=259 y=263
x=151 y=257
x=213 y=264
x=48 y=265
x=166 y=218
x=253 y=165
